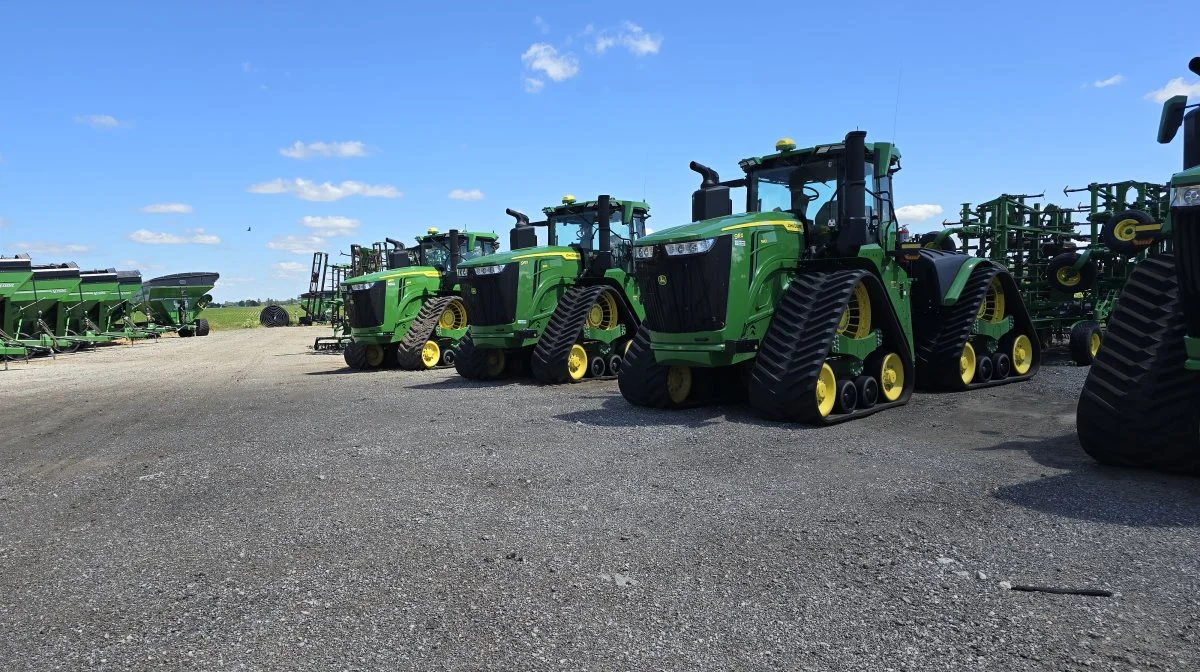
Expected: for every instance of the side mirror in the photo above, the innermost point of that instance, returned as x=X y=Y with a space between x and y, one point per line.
x=1194 y=65
x=1172 y=115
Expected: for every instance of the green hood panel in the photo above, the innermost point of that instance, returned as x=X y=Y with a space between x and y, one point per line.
x=711 y=228
x=407 y=272
x=501 y=258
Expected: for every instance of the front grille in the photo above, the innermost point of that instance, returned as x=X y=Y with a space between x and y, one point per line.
x=687 y=293
x=491 y=299
x=365 y=307
x=1185 y=225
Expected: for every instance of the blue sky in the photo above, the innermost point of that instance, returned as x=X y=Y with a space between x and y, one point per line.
x=154 y=134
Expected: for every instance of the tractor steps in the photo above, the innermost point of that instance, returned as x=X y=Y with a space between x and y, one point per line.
x=783 y=381
x=550 y=355
x=408 y=350
x=1140 y=407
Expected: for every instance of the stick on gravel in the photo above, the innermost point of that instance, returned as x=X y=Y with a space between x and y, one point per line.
x=1065 y=591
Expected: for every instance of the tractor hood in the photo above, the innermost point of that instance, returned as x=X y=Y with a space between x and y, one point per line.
x=717 y=226
x=406 y=272
x=501 y=258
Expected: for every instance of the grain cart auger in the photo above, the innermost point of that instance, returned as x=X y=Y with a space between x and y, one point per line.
x=563 y=311
x=409 y=314
x=807 y=304
x=1140 y=404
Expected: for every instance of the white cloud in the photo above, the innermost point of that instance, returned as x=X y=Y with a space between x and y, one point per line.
x=533 y=85
x=909 y=214
x=289 y=269
x=466 y=195
x=3 y=222
x=333 y=225
x=195 y=237
x=311 y=191
x=603 y=42
x=1175 y=87
x=649 y=230
x=168 y=208
x=638 y=41
x=341 y=150
x=1115 y=79
x=544 y=58
x=541 y=24
x=297 y=244
x=42 y=247
x=98 y=121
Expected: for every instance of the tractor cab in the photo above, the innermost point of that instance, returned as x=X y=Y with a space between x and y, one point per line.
x=443 y=251
x=602 y=231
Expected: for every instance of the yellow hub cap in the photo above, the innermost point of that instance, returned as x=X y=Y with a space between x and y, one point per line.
x=856 y=319
x=603 y=314
x=679 y=383
x=494 y=361
x=1067 y=277
x=966 y=364
x=431 y=354
x=1094 y=345
x=891 y=377
x=1022 y=354
x=374 y=355
x=826 y=390
x=577 y=362
x=1125 y=230
x=992 y=308
x=454 y=316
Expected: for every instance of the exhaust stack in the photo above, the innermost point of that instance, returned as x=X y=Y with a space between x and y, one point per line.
x=852 y=225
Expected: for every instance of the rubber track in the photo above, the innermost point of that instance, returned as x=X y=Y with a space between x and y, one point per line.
x=549 y=361
x=938 y=353
x=784 y=378
x=1139 y=407
x=642 y=381
x=408 y=350
x=469 y=361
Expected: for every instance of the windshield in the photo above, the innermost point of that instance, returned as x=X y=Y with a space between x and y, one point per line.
x=814 y=184
x=579 y=228
x=435 y=252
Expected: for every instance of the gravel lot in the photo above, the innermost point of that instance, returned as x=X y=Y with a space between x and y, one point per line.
x=241 y=502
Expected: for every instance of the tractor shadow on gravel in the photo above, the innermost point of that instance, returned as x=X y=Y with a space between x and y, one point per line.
x=1097 y=493
x=614 y=411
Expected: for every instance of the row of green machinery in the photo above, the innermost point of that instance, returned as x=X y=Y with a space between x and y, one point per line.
x=54 y=308
x=1140 y=403
x=1069 y=279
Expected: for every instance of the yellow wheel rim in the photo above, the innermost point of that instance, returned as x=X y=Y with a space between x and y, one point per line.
x=1022 y=354
x=1125 y=230
x=856 y=319
x=577 y=362
x=454 y=316
x=992 y=308
x=374 y=355
x=1067 y=277
x=494 y=361
x=679 y=383
x=1094 y=345
x=431 y=354
x=891 y=377
x=826 y=390
x=603 y=314
x=966 y=364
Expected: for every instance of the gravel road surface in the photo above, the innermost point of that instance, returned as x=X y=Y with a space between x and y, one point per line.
x=240 y=502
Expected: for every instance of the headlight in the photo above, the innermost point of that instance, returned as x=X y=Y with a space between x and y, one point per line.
x=643 y=251
x=488 y=270
x=361 y=286
x=462 y=272
x=1185 y=197
x=691 y=247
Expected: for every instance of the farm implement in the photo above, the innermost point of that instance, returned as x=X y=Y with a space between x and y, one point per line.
x=174 y=302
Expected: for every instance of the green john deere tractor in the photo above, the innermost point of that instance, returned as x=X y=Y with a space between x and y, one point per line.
x=807 y=305
x=409 y=314
x=1140 y=404
x=562 y=311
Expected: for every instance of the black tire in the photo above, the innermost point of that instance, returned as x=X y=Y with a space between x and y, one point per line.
x=1087 y=274
x=596 y=367
x=185 y=332
x=614 y=365
x=1001 y=366
x=1081 y=341
x=642 y=381
x=355 y=355
x=391 y=358
x=983 y=369
x=469 y=361
x=847 y=397
x=202 y=327
x=947 y=244
x=1139 y=407
x=448 y=357
x=274 y=316
x=1115 y=233
x=868 y=391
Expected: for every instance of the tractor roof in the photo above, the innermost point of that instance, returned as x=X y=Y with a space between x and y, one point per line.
x=788 y=154
x=570 y=206
x=434 y=234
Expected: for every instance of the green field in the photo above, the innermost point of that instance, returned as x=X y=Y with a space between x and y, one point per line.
x=238 y=317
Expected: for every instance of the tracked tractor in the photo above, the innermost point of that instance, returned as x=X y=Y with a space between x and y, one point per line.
x=807 y=305
x=1140 y=404
x=564 y=311
x=409 y=314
